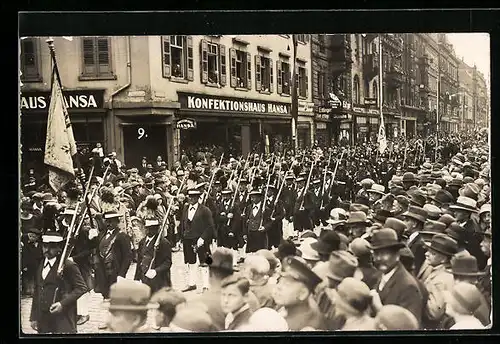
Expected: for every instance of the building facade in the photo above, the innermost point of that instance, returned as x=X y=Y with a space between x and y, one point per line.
x=148 y=96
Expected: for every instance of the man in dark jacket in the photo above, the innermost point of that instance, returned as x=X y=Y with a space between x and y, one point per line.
x=396 y=286
x=153 y=263
x=196 y=229
x=54 y=300
x=113 y=255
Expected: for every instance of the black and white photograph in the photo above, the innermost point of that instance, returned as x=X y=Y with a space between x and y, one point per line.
x=255 y=183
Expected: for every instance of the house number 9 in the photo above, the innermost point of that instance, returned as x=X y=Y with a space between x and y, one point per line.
x=141 y=133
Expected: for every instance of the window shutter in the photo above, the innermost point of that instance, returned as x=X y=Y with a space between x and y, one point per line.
x=166 y=56
x=103 y=56
x=249 y=71
x=89 y=60
x=257 y=73
x=29 y=61
x=223 y=67
x=307 y=82
x=288 y=79
x=190 y=66
x=271 y=67
x=204 y=61
x=279 y=81
x=232 y=56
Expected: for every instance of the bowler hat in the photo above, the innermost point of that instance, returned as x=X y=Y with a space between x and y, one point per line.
x=409 y=177
x=341 y=264
x=433 y=212
x=328 y=242
x=222 y=258
x=297 y=270
x=359 y=247
x=443 y=244
x=465 y=203
x=465 y=266
x=129 y=295
x=416 y=213
x=447 y=219
x=286 y=248
x=385 y=238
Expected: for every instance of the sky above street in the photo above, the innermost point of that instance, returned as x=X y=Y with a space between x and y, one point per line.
x=474 y=48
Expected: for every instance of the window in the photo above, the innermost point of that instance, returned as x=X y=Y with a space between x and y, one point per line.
x=241 y=69
x=97 y=58
x=302 y=38
x=357 y=52
x=374 y=48
x=177 y=54
x=30 y=61
x=321 y=85
x=213 y=63
x=283 y=77
x=263 y=74
x=303 y=82
x=322 y=43
x=375 y=90
x=355 y=91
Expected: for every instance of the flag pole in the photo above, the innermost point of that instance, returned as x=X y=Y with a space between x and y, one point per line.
x=381 y=133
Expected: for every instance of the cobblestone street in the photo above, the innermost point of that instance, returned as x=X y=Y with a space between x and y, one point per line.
x=98 y=313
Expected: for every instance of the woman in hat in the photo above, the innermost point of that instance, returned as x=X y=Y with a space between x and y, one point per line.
x=53 y=309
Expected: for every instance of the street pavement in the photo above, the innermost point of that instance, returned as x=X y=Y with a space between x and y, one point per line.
x=98 y=313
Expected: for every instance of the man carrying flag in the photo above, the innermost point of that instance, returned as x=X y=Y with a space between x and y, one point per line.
x=60 y=146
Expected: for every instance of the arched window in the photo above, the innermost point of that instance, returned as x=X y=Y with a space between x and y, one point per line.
x=355 y=90
x=375 y=90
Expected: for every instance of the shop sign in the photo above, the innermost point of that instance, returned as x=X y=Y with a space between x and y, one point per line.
x=370 y=101
x=322 y=116
x=201 y=102
x=373 y=112
x=363 y=129
x=80 y=99
x=321 y=126
x=358 y=109
x=306 y=107
x=187 y=123
x=340 y=116
x=323 y=110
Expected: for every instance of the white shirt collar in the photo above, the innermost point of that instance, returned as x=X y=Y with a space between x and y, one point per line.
x=51 y=261
x=256 y=205
x=412 y=237
x=386 y=277
x=195 y=206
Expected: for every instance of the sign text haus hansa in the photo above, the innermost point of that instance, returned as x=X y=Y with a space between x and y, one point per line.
x=74 y=99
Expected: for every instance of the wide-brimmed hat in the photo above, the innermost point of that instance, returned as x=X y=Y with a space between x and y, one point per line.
x=465 y=203
x=381 y=215
x=367 y=182
x=443 y=244
x=432 y=228
x=393 y=317
x=255 y=192
x=385 y=238
x=470 y=190
x=358 y=217
x=354 y=295
x=308 y=253
x=458 y=232
x=378 y=189
x=328 y=242
x=194 y=192
x=359 y=207
x=485 y=208
x=416 y=213
x=465 y=297
x=447 y=219
x=341 y=264
x=417 y=198
x=465 y=266
x=337 y=216
x=130 y=295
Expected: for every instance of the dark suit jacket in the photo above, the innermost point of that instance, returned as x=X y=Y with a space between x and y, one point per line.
x=474 y=243
x=161 y=264
x=70 y=286
x=240 y=319
x=202 y=224
x=418 y=249
x=402 y=290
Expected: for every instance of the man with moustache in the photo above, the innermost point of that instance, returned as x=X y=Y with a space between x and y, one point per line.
x=396 y=286
x=153 y=263
x=54 y=300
